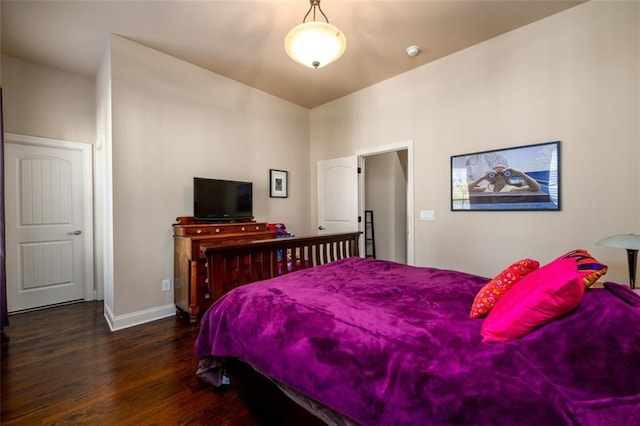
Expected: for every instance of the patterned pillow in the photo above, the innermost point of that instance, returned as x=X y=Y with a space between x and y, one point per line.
x=588 y=267
x=488 y=295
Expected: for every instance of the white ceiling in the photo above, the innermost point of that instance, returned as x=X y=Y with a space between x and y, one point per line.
x=243 y=40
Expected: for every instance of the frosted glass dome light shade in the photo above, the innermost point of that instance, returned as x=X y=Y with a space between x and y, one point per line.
x=625 y=241
x=315 y=44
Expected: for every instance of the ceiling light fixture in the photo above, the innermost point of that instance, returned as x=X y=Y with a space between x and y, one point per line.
x=315 y=44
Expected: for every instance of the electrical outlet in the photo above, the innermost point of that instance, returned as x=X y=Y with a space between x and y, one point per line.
x=166 y=285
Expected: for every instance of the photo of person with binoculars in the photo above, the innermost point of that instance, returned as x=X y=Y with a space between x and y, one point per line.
x=504 y=179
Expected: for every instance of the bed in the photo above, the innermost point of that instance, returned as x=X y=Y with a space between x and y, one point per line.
x=379 y=343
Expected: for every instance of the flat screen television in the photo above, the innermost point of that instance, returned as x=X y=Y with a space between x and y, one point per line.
x=216 y=200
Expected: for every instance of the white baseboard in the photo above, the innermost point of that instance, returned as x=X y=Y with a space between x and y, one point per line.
x=136 y=318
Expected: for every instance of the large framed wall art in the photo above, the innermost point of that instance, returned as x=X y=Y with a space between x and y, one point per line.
x=519 y=178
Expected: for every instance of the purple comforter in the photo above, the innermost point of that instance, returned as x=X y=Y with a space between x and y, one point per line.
x=389 y=344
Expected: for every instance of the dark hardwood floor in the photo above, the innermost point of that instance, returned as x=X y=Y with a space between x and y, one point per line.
x=62 y=365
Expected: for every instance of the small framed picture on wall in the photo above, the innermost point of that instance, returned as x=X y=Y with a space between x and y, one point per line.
x=278 y=183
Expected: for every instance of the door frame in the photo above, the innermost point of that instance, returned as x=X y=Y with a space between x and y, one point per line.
x=86 y=150
x=383 y=149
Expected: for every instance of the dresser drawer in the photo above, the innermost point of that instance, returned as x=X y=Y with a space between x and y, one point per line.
x=204 y=243
x=238 y=228
x=218 y=229
x=239 y=239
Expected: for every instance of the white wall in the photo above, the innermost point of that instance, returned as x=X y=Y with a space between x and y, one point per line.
x=103 y=188
x=572 y=77
x=172 y=121
x=157 y=122
x=43 y=101
x=400 y=169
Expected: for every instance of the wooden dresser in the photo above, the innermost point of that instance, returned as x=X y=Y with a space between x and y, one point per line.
x=192 y=292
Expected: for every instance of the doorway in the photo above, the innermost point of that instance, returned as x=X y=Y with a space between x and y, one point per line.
x=386 y=189
x=385 y=194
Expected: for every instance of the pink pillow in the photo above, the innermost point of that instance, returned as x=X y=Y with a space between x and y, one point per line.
x=489 y=295
x=540 y=297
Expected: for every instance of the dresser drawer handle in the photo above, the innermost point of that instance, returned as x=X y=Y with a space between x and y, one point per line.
x=207 y=296
x=198 y=231
x=206 y=280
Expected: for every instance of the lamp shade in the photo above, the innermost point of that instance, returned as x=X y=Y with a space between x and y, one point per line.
x=625 y=241
x=630 y=242
x=315 y=44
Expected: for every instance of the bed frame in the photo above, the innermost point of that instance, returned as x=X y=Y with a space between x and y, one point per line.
x=232 y=265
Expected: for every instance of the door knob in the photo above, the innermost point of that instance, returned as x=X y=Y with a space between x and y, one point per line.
x=76 y=232
x=321 y=228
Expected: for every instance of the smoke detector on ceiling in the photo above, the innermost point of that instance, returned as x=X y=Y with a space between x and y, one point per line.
x=413 y=50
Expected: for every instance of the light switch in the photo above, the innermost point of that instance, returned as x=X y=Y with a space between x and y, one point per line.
x=427 y=215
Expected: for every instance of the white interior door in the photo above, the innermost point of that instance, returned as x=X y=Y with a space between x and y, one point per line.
x=46 y=223
x=338 y=195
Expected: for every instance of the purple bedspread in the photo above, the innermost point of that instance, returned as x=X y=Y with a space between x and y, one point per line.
x=389 y=344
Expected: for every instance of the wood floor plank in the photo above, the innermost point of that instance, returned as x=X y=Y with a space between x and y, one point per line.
x=63 y=366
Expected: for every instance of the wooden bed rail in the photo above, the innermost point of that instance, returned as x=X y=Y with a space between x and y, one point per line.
x=232 y=265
